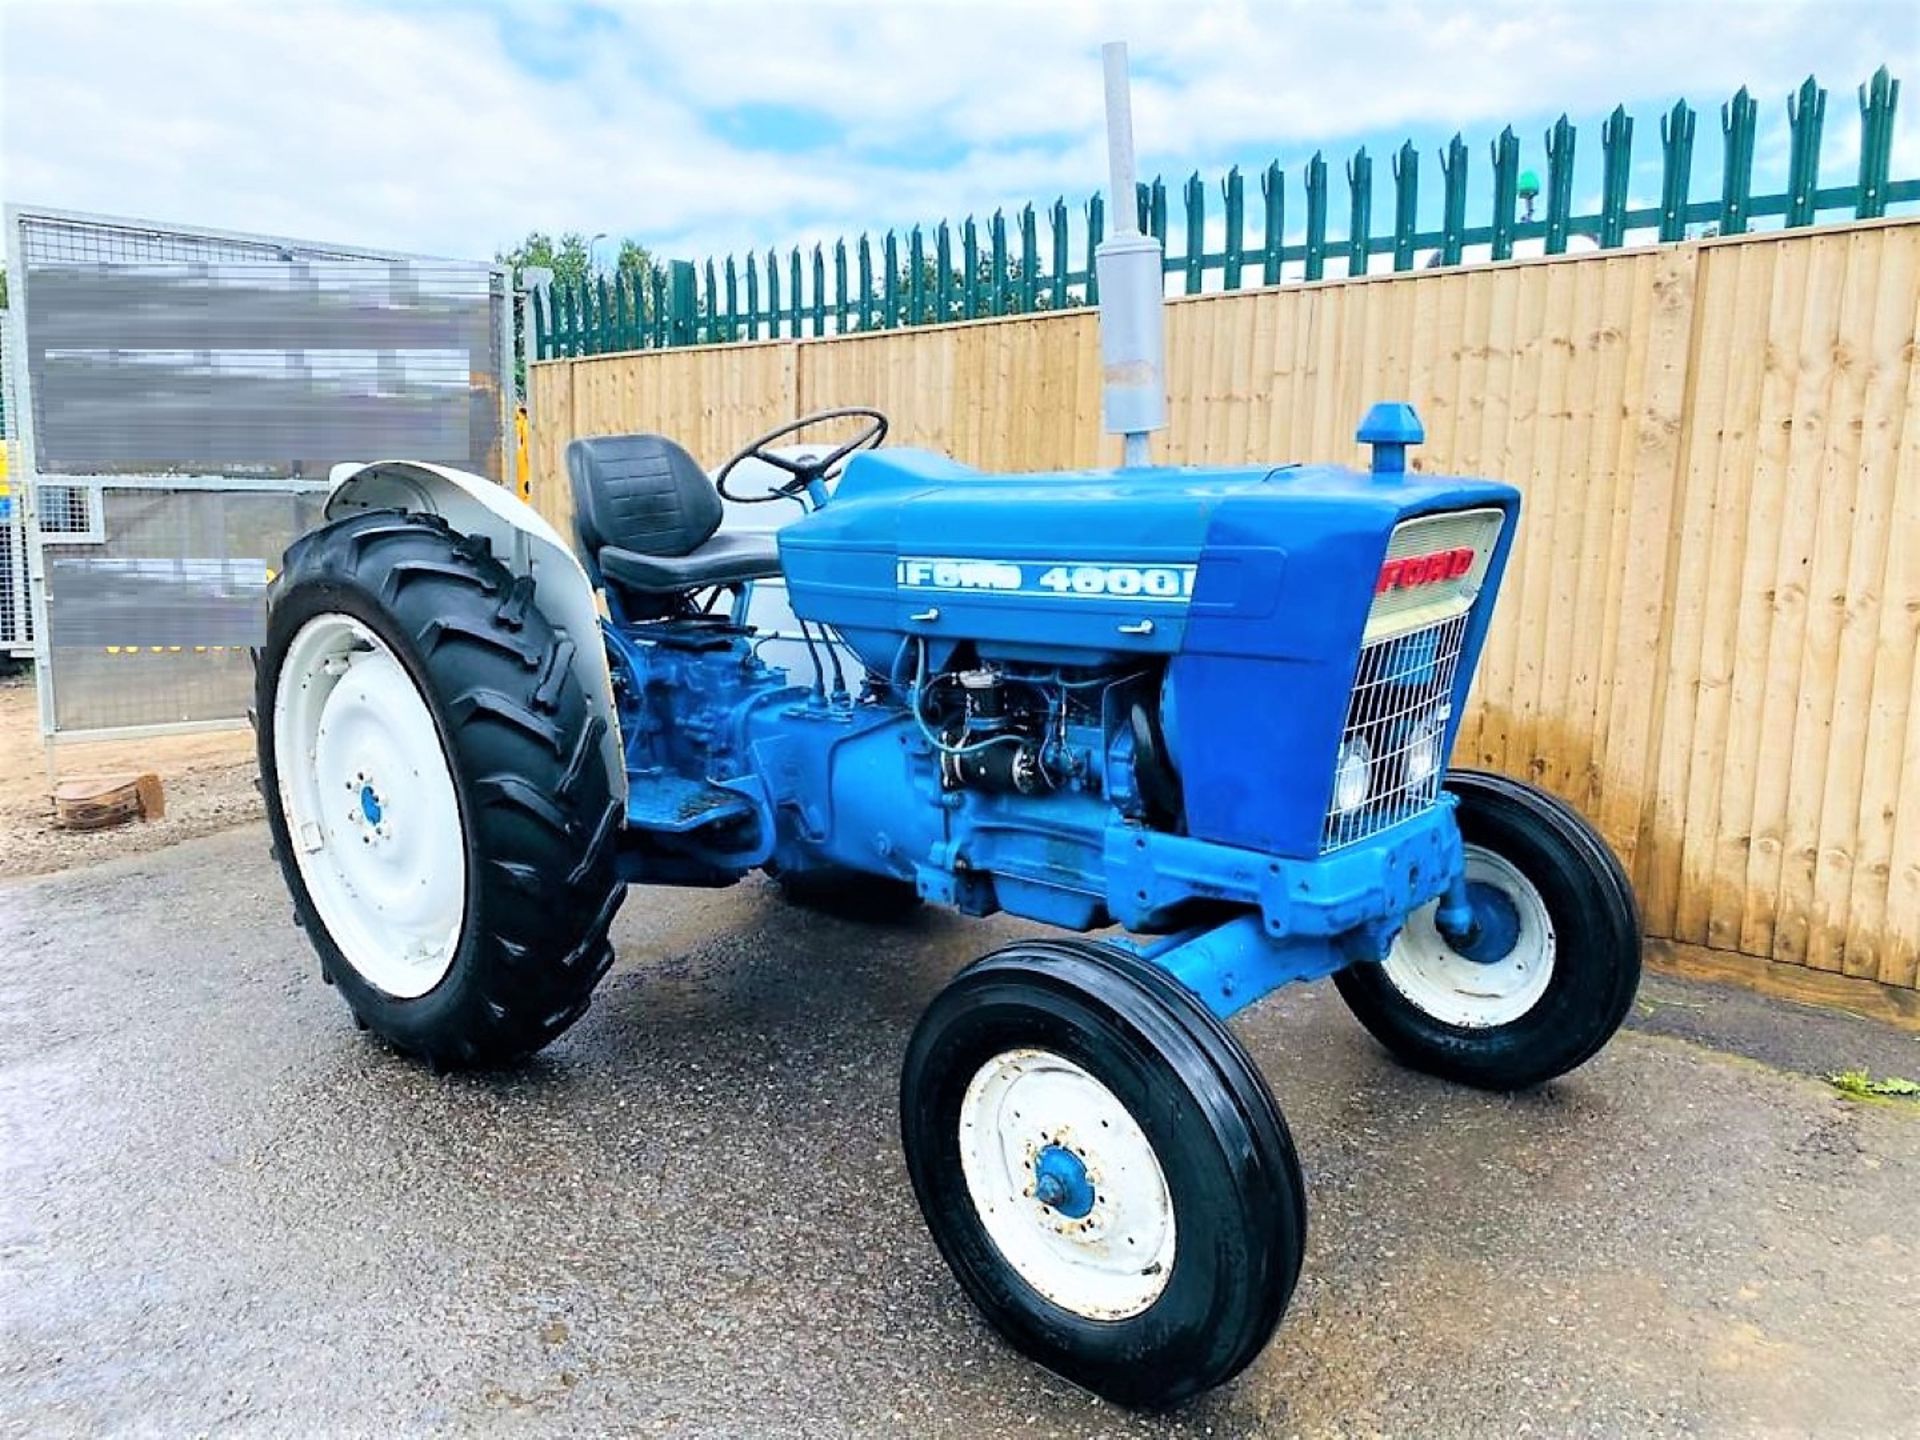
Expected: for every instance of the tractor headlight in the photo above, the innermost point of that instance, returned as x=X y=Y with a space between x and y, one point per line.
x=1423 y=752
x=1352 y=776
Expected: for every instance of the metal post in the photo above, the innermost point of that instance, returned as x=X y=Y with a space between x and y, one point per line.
x=1130 y=268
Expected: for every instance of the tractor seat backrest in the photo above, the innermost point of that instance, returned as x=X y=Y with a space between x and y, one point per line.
x=641 y=493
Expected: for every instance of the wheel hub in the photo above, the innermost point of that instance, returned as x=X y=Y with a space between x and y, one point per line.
x=1494 y=973
x=1061 y=1183
x=1496 y=925
x=370 y=809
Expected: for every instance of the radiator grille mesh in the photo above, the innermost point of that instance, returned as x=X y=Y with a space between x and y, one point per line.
x=1393 y=746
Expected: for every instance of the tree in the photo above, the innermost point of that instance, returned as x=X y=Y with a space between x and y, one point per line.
x=569 y=257
x=570 y=260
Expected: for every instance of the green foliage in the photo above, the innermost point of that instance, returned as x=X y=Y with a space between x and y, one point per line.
x=569 y=257
x=1860 y=1085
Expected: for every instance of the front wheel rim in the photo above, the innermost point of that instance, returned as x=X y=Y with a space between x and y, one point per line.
x=1470 y=994
x=1066 y=1185
x=372 y=813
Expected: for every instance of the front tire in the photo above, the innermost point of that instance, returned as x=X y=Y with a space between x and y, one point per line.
x=436 y=791
x=1554 y=972
x=1104 y=1169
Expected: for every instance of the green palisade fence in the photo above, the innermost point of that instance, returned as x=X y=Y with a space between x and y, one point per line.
x=1003 y=272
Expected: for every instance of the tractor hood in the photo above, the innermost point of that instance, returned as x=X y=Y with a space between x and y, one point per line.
x=1088 y=566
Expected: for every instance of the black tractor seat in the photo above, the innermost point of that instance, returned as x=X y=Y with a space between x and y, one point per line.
x=646 y=518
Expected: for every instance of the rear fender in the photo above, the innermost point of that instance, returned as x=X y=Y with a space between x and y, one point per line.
x=522 y=540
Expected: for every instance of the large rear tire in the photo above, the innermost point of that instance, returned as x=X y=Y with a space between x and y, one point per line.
x=436 y=790
x=1554 y=971
x=1104 y=1169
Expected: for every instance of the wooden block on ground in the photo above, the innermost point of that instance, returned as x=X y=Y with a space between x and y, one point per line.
x=95 y=802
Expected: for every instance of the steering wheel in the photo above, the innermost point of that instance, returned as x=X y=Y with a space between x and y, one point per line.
x=802 y=473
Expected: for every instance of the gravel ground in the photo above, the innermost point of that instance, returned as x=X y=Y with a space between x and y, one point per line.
x=226 y=1210
x=209 y=779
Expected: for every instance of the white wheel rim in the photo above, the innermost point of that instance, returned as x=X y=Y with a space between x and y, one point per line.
x=370 y=805
x=1108 y=1264
x=1471 y=994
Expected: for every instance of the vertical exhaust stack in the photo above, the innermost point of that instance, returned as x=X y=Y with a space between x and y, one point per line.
x=1132 y=330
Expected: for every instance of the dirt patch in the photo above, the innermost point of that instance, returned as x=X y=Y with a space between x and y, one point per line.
x=208 y=777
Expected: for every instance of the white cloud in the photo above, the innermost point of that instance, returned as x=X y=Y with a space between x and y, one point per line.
x=423 y=126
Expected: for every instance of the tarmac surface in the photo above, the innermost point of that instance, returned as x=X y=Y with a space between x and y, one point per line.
x=225 y=1210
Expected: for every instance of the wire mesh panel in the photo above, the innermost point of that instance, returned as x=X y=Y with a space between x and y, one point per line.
x=183 y=395
x=160 y=352
x=152 y=625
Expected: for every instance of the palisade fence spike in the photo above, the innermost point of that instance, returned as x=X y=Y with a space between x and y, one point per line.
x=1406 y=203
x=1194 y=201
x=840 y=285
x=733 y=300
x=1273 y=207
x=1453 y=200
x=659 y=285
x=916 y=277
x=890 y=283
x=1806 y=117
x=1233 y=199
x=1143 y=193
x=865 y=319
x=711 y=310
x=1676 y=169
x=819 y=309
x=1879 y=98
x=999 y=234
x=1057 y=239
x=1560 y=142
x=682 y=303
x=627 y=306
x=753 y=296
x=1029 y=260
x=1616 y=157
x=794 y=307
x=1359 y=210
x=1096 y=232
x=1316 y=182
x=1506 y=191
x=1157 y=211
x=970 y=270
x=1739 y=119
x=773 y=294
x=943 y=272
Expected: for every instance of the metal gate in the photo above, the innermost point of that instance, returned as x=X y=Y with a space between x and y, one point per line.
x=180 y=397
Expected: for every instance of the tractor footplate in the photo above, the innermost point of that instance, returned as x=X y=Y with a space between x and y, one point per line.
x=675 y=805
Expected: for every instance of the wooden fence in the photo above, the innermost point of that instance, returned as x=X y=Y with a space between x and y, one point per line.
x=1707 y=639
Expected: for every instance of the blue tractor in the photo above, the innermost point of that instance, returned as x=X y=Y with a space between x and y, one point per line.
x=1202 y=715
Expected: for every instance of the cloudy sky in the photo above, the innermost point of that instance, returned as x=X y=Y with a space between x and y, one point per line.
x=453 y=128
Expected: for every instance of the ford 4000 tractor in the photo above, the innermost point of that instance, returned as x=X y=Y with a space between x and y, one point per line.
x=1202 y=714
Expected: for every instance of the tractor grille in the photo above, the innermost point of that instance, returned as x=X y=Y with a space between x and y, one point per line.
x=1401 y=709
